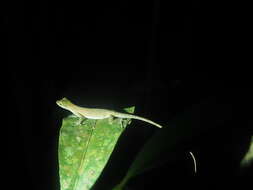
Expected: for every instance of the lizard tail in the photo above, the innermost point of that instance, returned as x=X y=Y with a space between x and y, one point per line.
x=130 y=116
x=147 y=120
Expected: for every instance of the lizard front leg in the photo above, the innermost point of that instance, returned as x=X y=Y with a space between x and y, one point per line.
x=80 y=117
x=81 y=120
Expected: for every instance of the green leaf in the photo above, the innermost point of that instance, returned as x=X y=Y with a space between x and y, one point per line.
x=85 y=149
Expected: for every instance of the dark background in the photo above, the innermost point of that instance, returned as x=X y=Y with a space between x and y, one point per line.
x=158 y=56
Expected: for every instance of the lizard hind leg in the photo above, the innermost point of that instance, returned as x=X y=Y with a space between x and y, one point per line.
x=110 y=120
x=122 y=122
x=113 y=119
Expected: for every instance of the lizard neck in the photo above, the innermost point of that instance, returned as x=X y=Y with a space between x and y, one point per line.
x=77 y=109
x=72 y=107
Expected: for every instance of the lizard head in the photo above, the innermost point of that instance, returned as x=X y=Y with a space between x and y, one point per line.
x=64 y=103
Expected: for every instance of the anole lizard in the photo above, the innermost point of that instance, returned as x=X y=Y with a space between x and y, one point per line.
x=94 y=113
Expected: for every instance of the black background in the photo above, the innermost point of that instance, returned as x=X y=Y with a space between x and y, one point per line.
x=162 y=57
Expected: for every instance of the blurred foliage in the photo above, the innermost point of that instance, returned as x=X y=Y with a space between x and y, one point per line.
x=248 y=158
x=196 y=120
